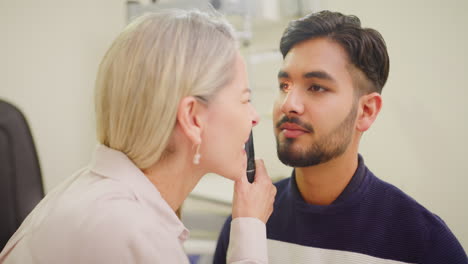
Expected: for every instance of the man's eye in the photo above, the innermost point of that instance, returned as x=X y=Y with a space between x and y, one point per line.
x=317 y=88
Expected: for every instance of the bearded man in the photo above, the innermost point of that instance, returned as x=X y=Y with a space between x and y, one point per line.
x=333 y=209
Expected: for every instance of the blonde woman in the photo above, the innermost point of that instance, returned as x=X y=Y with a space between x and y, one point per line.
x=172 y=104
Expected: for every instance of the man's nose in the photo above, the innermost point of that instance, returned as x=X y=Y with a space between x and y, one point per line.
x=292 y=103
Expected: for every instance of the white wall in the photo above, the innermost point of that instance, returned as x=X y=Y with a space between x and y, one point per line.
x=419 y=142
x=50 y=51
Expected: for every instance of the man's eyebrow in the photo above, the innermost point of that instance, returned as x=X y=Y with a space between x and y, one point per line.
x=319 y=75
x=309 y=75
x=247 y=90
x=283 y=74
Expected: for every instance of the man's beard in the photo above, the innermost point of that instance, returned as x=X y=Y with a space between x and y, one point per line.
x=324 y=149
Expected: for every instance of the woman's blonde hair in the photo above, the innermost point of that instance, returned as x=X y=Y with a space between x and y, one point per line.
x=156 y=61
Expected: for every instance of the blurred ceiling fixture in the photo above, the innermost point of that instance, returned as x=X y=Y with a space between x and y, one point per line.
x=241 y=11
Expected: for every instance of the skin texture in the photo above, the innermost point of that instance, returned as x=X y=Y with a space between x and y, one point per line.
x=219 y=130
x=319 y=119
x=230 y=118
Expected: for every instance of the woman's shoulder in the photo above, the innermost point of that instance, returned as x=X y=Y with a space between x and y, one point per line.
x=92 y=202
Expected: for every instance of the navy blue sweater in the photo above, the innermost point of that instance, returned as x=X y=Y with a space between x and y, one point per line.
x=370 y=222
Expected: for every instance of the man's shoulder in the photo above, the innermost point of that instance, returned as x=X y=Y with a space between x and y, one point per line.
x=392 y=194
x=416 y=221
x=402 y=205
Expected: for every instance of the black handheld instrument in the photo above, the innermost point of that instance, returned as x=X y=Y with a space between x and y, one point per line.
x=249 y=149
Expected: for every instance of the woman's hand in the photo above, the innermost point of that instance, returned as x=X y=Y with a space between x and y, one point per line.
x=254 y=199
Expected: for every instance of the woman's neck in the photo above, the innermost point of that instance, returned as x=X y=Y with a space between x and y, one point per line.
x=174 y=177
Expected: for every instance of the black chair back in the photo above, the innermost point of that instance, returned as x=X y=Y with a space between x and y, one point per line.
x=20 y=175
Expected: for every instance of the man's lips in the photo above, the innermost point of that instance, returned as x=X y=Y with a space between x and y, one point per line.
x=292 y=126
x=291 y=130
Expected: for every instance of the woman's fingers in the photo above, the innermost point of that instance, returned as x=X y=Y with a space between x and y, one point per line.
x=256 y=199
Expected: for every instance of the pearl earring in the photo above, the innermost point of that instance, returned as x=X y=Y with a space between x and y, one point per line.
x=197 y=156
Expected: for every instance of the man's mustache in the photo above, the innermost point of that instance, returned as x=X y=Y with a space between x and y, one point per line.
x=296 y=121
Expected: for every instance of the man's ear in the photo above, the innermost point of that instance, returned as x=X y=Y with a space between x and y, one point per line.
x=189 y=118
x=369 y=108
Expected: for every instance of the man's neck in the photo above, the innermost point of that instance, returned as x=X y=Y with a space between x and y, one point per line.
x=323 y=183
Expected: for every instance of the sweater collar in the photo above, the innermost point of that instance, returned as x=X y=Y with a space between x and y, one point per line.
x=351 y=192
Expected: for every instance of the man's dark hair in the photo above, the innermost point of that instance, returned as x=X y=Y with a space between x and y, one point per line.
x=365 y=47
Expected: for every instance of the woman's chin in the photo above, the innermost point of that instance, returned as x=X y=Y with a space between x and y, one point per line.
x=235 y=172
x=235 y=176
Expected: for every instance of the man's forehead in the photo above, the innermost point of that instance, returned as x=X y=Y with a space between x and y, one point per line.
x=318 y=56
x=316 y=49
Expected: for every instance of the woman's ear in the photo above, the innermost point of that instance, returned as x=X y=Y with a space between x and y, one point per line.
x=370 y=105
x=189 y=118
